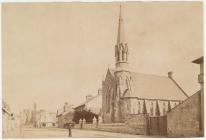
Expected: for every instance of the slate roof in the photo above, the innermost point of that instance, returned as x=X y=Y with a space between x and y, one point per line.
x=93 y=104
x=149 y=86
x=64 y=113
x=87 y=101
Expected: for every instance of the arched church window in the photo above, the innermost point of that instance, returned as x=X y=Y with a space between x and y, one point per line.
x=120 y=80
x=128 y=82
x=164 y=108
x=152 y=109
x=105 y=97
x=118 y=56
x=108 y=100
x=123 y=54
x=139 y=107
x=108 y=105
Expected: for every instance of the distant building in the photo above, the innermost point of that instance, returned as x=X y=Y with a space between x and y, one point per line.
x=46 y=119
x=38 y=118
x=125 y=92
x=26 y=116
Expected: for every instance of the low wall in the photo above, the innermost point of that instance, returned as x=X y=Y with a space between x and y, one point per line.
x=135 y=124
x=184 y=120
x=109 y=127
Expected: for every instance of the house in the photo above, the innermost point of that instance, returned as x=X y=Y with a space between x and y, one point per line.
x=46 y=119
x=26 y=116
x=90 y=108
x=187 y=119
x=200 y=61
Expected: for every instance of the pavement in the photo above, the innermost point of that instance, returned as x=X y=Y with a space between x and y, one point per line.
x=27 y=132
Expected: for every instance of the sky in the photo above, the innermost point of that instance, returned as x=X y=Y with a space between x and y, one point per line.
x=60 y=52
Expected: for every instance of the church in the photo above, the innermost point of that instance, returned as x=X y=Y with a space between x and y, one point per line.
x=125 y=92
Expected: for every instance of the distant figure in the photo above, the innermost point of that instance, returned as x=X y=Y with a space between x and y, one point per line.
x=70 y=129
x=81 y=123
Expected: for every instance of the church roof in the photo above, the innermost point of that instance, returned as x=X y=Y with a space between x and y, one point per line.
x=147 y=86
x=155 y=87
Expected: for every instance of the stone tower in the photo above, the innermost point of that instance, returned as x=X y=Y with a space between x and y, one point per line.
x=121 y=48
x=122 y=73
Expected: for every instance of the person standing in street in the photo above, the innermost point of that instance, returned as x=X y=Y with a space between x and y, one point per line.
x=70 y=129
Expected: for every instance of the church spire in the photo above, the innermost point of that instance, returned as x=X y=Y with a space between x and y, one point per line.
x=119 y=35
x=121 y=48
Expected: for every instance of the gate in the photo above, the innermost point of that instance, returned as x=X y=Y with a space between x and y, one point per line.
x=157 y=125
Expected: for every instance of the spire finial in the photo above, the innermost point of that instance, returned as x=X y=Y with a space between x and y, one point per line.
x=119 y=25
x=120 y=11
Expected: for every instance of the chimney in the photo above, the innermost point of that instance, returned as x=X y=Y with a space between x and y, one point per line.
x=170 y=74
x=88 y=97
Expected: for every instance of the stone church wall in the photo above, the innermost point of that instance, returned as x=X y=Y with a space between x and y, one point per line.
x=184 y=119
x=108 y=87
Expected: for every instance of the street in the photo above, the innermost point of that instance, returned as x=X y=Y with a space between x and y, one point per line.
x=27 y=132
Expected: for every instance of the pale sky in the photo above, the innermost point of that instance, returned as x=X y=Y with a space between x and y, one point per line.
x=57 y=52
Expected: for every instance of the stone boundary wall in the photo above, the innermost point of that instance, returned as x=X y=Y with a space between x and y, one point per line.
x=109 y=127
x=135 y=124
x=184 y=119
